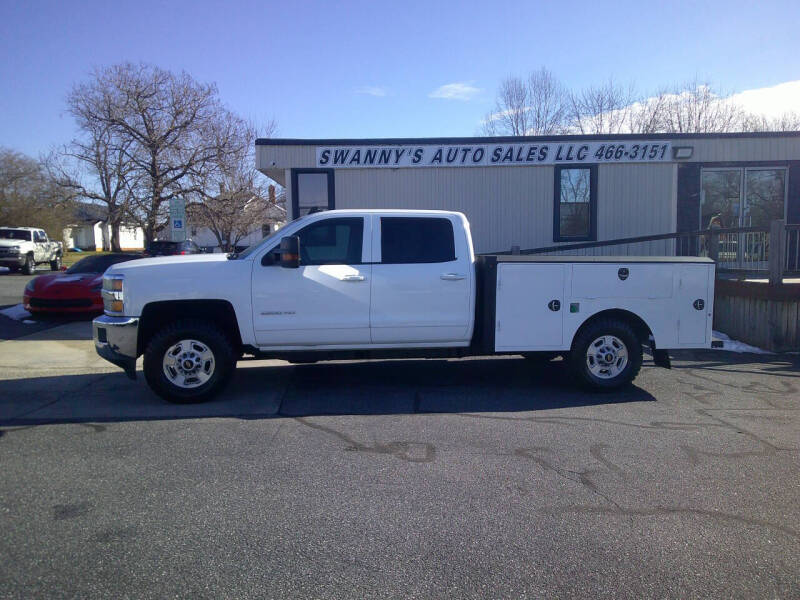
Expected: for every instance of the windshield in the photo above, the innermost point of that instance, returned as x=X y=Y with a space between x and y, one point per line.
x=99 y=264
x=267 y=240
x=15 y=234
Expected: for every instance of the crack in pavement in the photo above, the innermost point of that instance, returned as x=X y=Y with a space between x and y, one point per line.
x=582 y=476
x=399 y=449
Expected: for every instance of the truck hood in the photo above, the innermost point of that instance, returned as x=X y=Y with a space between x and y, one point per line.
x=7 y=243
x=187 y=277
x=163 y=261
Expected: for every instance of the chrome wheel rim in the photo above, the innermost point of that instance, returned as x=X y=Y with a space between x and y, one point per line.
x=188 y=364
x=607 y=357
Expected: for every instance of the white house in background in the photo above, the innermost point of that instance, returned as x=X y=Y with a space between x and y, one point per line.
x=276 y=217
x=92 y=232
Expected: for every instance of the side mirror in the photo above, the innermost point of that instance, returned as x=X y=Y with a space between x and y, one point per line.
x=290 y=252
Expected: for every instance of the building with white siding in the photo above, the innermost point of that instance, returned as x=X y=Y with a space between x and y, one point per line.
x=533 y=192
x=91 y=231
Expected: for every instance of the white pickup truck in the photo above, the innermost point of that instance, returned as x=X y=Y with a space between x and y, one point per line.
x=25 y=247
x=353 y=284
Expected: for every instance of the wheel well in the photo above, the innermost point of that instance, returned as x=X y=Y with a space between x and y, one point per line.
x=157 y=314
x=641 y=328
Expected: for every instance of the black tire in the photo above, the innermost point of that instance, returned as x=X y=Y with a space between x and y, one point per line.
x=224 y=360
x=579 y=360
x=29 y=267
x=55 y=264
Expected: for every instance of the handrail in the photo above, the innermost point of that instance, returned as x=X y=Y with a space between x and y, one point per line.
x=639 y=239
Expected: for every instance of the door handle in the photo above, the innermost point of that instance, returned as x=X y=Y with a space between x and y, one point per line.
x=352 y=278
x=451 y=276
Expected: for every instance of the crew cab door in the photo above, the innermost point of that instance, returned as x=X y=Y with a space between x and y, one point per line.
x=422 y=281
x=324 y=302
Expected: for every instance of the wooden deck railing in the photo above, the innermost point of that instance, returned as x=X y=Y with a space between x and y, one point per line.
x=735 y=249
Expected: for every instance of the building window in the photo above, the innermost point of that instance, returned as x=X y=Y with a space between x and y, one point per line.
x=194 y=231
x=575 y=204
x=751 y=197
x=312 y=190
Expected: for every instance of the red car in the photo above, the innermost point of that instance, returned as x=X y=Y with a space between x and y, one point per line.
x=76 y=290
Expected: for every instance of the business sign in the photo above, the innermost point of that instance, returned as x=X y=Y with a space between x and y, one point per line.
x=177 y=219
x=490 y=155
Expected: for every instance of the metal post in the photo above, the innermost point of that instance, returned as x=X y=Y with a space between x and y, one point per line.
x=776 y=251
x=713 y=246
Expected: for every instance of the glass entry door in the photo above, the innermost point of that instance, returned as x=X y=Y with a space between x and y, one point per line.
x=743 y=197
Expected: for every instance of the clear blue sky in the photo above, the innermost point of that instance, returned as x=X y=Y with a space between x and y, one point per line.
x=305 y=63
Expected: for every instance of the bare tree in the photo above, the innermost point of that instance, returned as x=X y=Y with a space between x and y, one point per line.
x=536 y=106
x=28 y=197
x=231 y=196
x=696 y=108
x=164 y=123
x=789 y=121
x=604 y=108
x=647 y=115
x=510 y=116
x=96 y=167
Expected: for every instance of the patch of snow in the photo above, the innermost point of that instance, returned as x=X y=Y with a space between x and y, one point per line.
x=17 y=313
x=736 y=346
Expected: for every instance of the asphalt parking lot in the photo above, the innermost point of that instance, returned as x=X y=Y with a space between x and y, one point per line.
x=12 y=285
x=468 y=478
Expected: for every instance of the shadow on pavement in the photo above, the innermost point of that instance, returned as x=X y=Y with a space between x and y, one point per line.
x=786 y=365
x=11 y=329
x=375 y=388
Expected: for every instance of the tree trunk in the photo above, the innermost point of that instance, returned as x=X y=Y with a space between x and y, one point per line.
x=114 y=226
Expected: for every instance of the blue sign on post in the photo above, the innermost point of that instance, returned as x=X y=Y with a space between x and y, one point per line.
x=177 y=215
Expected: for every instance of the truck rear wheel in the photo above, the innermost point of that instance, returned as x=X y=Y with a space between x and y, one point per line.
x=189 y=361
x=606 y=355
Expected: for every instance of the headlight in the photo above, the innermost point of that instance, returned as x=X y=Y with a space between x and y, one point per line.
x=113 y=295
x=14 y=249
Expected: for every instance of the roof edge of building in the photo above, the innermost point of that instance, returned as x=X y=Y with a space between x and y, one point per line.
x=517 y=139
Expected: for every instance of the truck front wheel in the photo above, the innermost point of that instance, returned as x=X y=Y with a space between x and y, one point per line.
x=606 y=355
x=189 y=361
x=29 y=267
x=55 y=264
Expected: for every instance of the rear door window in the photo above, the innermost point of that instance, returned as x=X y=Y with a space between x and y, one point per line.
x=408 y=240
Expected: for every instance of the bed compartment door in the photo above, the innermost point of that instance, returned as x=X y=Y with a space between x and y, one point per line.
x=530 y=306
x=694 y=305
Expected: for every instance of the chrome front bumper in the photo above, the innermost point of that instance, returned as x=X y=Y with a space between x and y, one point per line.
x=115 y=339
